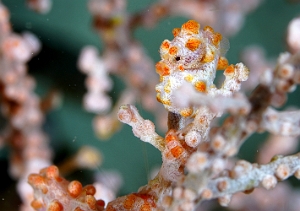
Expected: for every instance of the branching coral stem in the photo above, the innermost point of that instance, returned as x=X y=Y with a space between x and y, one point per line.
x=280 y=168
x=143 y=129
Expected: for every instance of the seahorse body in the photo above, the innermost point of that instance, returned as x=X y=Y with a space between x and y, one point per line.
x=193 y=56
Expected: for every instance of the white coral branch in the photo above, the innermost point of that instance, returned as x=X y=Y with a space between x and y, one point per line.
x=280 y=168
x=284 y=123
x=143 y=129
x=244 y=176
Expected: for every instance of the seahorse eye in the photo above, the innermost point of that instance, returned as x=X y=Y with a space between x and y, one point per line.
x=177 y=58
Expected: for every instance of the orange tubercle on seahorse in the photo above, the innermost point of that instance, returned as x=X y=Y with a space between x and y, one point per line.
x=191 y=26
x=186 y=112
x=165 y=45
x=208 y=28
x=162 y=69
x=229 y=70
x=216 y=39
x=200 y=86
x=222 y=63
x=192 y=44
x=173 y=50
x=208 y=57
x=176 y=31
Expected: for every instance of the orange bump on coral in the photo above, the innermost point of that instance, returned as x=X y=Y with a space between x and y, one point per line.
x=207 y=194
x=129 y=201
x=282 y=172
x=78 y=209
x=145 y=207
x=36 y=204
x=55 y=206
x=177 y=151
x=38 y=182
x=52 y=172
x=269 y=182
x=170 y=137
x=91 y=202
x=100 y=203
x=89 y=190
x=286 y=71
x=74 y=188
x=218 y=143
x=167 y=201
x=35 y=180
x=224 y=200
x=222 y=185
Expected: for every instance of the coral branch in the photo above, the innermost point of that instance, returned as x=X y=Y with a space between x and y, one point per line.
x=284 y=123
x=53 y=192
x=143 y=129
x=246 y=177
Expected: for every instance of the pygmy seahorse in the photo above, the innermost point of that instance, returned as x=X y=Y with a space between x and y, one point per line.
x=193 y=56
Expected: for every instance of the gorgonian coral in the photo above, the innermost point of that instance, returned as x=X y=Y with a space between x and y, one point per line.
x=195 y=151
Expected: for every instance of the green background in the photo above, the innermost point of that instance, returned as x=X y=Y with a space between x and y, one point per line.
x=65 y=30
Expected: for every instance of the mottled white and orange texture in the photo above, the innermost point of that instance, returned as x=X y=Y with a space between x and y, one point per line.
x=193 y=56
x=55 y=193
